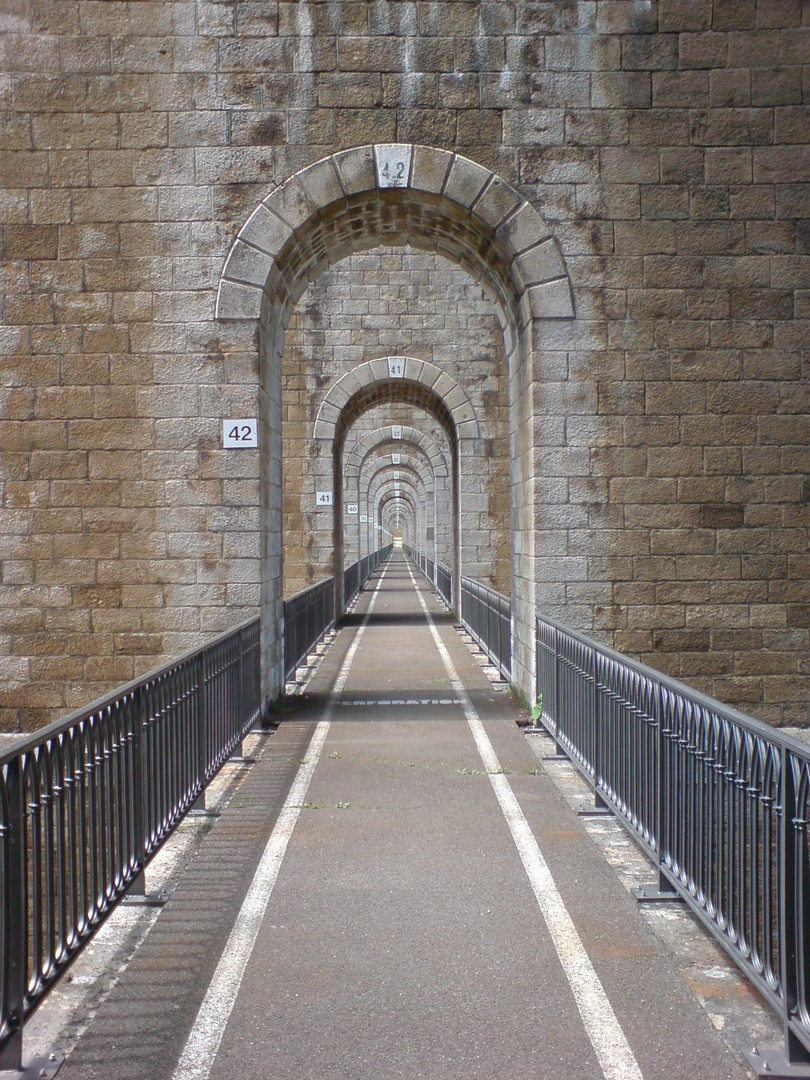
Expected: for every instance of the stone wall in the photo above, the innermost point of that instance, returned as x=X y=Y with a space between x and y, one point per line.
x=666 y=145
x=404 y=303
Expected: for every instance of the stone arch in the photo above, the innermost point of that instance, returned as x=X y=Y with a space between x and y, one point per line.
x=410 y=436
x=374 y=376
x=351 y=201
x=433 y=200
x=412 y=443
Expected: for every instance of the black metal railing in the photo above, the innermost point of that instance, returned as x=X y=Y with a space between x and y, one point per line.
x=87 y=801
x=488 y=617
x=444 y=583
x=307 y=617
x=309 y=614
x=718 y=801
x=351 y=582
x=355 y=577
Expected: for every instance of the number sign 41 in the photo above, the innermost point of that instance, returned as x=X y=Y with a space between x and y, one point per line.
x=239 y=434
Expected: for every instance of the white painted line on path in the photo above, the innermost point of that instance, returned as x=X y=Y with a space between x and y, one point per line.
x=206 y=1033
x=602 y=1027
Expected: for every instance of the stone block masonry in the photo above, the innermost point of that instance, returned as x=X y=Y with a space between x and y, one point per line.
x=663 y=431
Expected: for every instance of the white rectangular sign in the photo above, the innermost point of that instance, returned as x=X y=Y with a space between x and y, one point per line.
x=364 y=519
x=239 y=434
x=351 y=508
x=396 y=367
x=323 y=498
x=396 y=458
x=396 y=432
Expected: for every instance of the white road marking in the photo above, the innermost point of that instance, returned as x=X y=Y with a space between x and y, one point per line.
x=602 y=1027
x=206 y=1033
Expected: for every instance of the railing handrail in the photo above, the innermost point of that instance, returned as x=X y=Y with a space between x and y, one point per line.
x=57 y=727
x=717 y=800
x=466 y=582
x=728 y=712
x=87 y=801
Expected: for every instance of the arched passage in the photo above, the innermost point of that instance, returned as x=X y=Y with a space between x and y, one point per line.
x=422 y=396
x=416 y=451
x=397 y=194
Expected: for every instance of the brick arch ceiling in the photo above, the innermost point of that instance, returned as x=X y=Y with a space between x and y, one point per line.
x=393 y=392
x=381 y=479
x=395 y=193
x=411 y=437
x=414 y=466
x=374 y=379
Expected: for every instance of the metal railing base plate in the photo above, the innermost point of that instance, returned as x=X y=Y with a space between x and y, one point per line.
x=651 y=894
x=36 y=1068
x=774 y=1065
x=150 y=899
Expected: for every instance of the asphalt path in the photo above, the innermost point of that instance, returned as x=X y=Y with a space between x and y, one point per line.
x=401 y=892
x=405 y=936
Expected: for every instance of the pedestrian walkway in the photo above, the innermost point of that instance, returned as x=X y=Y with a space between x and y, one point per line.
x=425 y=905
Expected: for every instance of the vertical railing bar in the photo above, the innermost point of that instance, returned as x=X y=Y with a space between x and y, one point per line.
x=15 y=922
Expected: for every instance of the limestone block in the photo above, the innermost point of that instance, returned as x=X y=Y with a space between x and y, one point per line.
x=290 y=203
x=266 y=231
x=463 y=412
x=363 y=375
x=356 y=169
x=523 y=230
x=247 y=264
x=540 y=263
x=379 y=369
x=430 y=168
x=417 y=370
x=320 y=183
x=468 y=429
x=340 y=394
x=455 y=397
x=236 y=301
x=497 y=202
x=551 y=300
x=466 y=181
x=443 y=384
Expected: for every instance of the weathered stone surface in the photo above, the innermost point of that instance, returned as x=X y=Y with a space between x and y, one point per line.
x=602 y=241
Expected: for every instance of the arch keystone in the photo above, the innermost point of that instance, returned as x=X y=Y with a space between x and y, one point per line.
x=393 y=164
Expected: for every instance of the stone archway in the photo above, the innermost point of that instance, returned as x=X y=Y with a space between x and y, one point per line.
x=370 y=379
x=397 y=194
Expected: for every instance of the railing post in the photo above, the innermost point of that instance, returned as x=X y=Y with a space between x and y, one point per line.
x=665 y=889
x=792 y=832
x=15 y=931
x=137 y=735
x=201 y=706
x=597 y=728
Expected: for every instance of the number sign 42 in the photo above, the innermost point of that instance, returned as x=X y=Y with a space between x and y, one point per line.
x=239 y=434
